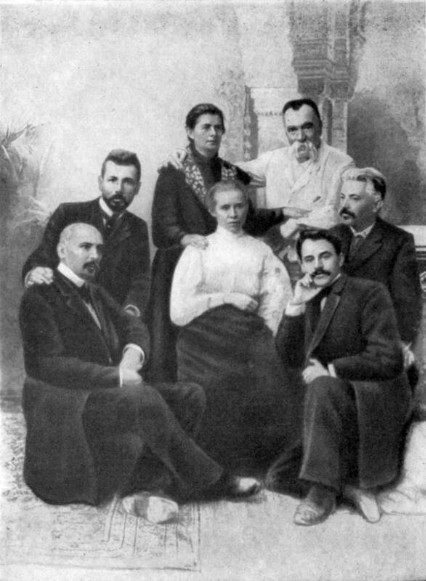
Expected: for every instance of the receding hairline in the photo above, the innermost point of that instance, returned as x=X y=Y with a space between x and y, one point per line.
x=296 y=104
x=70 y=231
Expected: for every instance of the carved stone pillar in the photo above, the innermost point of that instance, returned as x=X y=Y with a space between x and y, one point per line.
x=264 y=125
x=324 y=35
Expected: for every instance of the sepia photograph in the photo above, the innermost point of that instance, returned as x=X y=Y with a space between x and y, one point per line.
x=212 y=290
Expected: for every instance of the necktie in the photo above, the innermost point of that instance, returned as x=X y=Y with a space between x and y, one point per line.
x=110 y=224
x=84 y=293
x=356 y=242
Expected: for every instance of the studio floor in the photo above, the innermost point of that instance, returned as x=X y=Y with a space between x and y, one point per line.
x=235 y=541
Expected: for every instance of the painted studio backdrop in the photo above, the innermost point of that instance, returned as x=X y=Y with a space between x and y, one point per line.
x=78 y=80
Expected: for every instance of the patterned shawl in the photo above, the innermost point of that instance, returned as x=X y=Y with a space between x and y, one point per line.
x=193 y=176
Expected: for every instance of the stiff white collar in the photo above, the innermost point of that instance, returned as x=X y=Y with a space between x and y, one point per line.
x=105 y=208
x=70 y=275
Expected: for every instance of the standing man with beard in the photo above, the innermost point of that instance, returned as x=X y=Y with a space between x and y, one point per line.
x=125 y=266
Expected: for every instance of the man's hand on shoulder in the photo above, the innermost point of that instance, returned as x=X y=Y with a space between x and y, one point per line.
x=39 y=275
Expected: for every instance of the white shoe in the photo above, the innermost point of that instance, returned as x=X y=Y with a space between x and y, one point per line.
x=365 y=502
x=155 y=509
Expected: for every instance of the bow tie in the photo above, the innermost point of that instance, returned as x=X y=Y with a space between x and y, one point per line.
x=84 y=293
x=325 y=292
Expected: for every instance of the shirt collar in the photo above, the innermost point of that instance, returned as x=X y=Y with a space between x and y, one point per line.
x=105 y=209
x=364 y=233
x=70 y=275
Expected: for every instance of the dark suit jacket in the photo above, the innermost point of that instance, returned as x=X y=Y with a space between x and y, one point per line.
x=357 y=332
x=125 y=265
x=388 y=255
x=66 y=357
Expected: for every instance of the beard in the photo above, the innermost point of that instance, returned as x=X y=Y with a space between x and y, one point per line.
x=116 y=203
x=304 y=151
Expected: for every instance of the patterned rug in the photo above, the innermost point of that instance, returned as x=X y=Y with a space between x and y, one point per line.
x=80 y=535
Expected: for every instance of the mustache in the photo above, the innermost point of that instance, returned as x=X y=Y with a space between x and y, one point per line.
x=91 y=263
x=344 y=212
x=318 y=271
x=312 y=150
x=119 y=197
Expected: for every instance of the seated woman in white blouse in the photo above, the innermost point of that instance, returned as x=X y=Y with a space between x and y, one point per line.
x=229 y=298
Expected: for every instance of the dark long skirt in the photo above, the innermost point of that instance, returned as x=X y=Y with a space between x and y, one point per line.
x=254 y=405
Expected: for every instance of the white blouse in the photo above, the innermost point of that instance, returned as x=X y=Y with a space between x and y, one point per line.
x=231 y=263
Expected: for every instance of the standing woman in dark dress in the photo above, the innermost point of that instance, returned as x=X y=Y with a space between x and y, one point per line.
x=180 y=219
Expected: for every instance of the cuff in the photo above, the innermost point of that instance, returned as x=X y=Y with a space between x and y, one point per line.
x=331 y=370
x=132 y=310
x=289 y=228
x=215 y=301
x=294 y=310
x=26 y=279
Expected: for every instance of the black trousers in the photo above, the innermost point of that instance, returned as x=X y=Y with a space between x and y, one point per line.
x=120 y=423
x=330 y=433
x=328 y=452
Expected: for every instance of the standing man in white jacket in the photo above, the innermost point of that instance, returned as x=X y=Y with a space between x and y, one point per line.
x=302 y=179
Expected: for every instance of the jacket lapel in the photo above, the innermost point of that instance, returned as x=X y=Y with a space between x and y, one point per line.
x=76 y=305
x=370 y=246
x=96 y=216
x=326 y=316
x=109 y=334
x=121 y=231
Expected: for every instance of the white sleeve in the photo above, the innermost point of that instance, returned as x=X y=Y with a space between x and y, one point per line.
x=256 y=168
x=322 y=217
x=189 y=297
x=326 y=215
x=275 y=291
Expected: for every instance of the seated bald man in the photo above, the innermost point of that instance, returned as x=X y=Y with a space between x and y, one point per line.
x=94 y=428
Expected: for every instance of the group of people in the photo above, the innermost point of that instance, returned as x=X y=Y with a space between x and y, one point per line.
x=269 y=344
